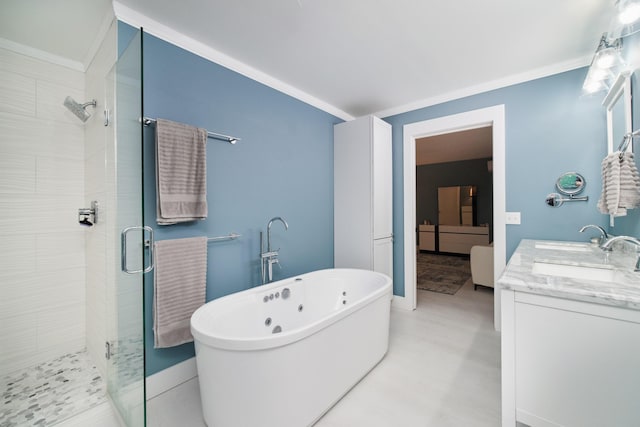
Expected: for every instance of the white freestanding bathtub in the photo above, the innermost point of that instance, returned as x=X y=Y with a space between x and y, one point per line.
x=282 y=354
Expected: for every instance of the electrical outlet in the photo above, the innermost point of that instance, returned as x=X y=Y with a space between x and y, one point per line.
x=512 y=218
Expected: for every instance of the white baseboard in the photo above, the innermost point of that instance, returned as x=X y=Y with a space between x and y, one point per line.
x=171 y=377
x=401 y=303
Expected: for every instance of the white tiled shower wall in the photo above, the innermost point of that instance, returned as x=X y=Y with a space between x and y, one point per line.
x=53 y=275
x=42 y=175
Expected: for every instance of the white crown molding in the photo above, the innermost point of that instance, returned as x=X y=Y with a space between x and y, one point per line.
x=41 y=55
x=488 y=86
x=139 y=20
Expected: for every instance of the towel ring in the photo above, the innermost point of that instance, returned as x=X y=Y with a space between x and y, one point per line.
x=626 y=140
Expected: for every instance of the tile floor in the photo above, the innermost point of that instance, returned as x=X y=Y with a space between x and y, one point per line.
x=442 y=369
x=51 y=392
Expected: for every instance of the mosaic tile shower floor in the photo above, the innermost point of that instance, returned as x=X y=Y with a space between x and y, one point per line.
x=48 y=393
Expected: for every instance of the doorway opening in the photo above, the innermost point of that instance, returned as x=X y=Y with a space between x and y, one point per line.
x=454 y=209
x=487 y=117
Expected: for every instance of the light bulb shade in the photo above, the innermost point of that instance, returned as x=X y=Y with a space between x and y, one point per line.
x=628 y=11
x=627 y=19
x=604 y=66
x=607 y=58
x=598 y=79
x=591 y=86
x=599 y=74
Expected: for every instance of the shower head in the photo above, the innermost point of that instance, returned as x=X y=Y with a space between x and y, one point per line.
x=80 y=110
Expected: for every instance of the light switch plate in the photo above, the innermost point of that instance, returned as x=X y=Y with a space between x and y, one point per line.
x=512 y=218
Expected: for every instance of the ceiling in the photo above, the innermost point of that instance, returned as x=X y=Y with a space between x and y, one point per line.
x=358 y=56
x=65 y=29
x=365 y=56
x=450 y=147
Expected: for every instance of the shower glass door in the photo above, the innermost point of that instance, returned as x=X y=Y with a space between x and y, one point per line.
x=125 y=323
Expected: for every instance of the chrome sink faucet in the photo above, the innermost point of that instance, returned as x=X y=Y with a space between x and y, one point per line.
x=603 y=234
x=607 y=246
x=269 y=257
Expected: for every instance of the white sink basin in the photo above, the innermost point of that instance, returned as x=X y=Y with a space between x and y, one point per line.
x=560 y=246
x=602 y=273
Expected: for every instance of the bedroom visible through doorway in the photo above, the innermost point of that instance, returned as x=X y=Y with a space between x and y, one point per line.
x=454 y=200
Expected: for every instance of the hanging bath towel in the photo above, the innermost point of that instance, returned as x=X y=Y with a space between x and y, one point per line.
x=179 y=288
x=620 y=184
x=181 y=172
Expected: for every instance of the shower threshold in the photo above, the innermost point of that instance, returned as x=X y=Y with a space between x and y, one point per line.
x=51 y=392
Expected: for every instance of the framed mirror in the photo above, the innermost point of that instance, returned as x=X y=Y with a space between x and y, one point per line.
x=457 y=205
x=618 y=106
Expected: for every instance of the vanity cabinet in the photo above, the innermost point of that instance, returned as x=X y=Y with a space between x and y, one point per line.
x=568 y=362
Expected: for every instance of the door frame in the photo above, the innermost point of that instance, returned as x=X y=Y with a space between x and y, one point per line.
x=490 y=116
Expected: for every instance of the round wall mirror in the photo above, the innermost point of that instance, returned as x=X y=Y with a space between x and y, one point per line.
x=570 y=183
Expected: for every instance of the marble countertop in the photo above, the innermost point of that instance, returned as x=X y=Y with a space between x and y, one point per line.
x=623 y=291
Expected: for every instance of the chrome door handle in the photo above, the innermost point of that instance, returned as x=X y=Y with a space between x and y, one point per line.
x=123 y=246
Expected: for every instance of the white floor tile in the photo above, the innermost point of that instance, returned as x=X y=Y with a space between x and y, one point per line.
x=179 y=406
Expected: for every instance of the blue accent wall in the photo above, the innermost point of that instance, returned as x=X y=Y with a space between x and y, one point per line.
x=125 y=35
x=283 y=166
x=551 y=128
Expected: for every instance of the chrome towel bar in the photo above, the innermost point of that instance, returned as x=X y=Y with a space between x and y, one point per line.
x=230 y=236
x=230 y=139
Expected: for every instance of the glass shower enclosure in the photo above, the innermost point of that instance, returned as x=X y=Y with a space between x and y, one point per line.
x=71 y=318
x=125 y=320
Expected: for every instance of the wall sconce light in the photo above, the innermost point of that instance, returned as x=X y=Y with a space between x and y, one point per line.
x=627 y=19
x=607 y=62
x=604 y=66
x=608 y=53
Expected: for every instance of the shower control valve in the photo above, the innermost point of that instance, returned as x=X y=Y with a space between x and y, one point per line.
x=88 y=216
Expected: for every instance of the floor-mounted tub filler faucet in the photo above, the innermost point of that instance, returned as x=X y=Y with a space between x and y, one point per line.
x=269 y=257
x=607 y=246
x=603 y=234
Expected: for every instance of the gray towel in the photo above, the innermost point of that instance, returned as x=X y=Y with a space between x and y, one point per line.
x=620 y=184
x=179 y=288
x=181 y=172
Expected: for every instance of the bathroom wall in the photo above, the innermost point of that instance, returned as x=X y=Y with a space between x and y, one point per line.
x=98 y=174
x=42 y=279
x=551 y=128
x=465 y=172
x=283 y=166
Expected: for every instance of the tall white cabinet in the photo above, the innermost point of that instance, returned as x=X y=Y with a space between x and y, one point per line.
x=363 y=203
